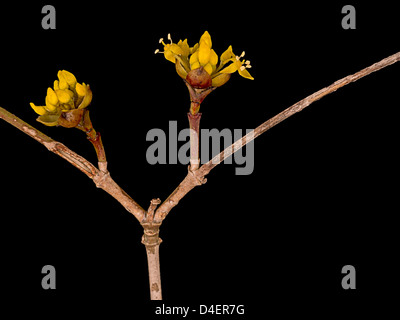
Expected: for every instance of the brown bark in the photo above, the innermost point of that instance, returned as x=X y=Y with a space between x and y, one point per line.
x=194 y=125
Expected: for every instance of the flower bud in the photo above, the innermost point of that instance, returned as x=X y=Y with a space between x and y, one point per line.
x=70 y=119
x=199 y=78
x=65 y=104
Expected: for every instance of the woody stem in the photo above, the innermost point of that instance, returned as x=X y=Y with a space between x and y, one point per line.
x=152 y=241
x=194 y=125
x=95 y=138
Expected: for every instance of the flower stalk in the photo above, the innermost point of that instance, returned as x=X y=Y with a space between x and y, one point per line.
x=94 y=137
x=194 y=125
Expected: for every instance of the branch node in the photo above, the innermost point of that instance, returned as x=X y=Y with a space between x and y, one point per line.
x=100 y=178
x=151 y=231
x=199 y=179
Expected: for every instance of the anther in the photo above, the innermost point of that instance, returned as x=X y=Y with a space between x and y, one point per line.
x=242 y=55
x=169 y=37
x=157 y=51
x=247 y=62
x=161 y=40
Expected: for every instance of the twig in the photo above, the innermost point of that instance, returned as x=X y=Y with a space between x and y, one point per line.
x=195 y=178
x=150 y=211
x=194 y=125
x=101 y=177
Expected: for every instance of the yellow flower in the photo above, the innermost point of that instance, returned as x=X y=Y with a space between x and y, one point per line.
x=202 y=55
x=239 y=66
x=64 y=105
x=172 y=50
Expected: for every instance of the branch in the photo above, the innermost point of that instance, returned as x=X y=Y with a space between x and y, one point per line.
x=101 y=177
x=194 y=125
x=195 y=178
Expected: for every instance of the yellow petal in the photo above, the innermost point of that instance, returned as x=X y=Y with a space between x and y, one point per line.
x=64 y=96
x=49 y=106
x=80 y=90
x=38 y=109
x=185 y=47
x=195 y=65
x=206 y=38
x=87 y=99
x=175 y=48
x=62 y=84
x=213 y=58
x=204 y=53
x=171 y=50
x=194 y=57
x=71 y=93
x=170 y=56
x=208 y=67
x=194 y=48
x=245 y=74
x=51 y=96
x=227 y=55
x=220 y=79
x=230 y=69
x=56 y=86
x=69 y=78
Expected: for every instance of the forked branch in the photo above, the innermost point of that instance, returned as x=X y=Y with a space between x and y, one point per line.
x=197 y=177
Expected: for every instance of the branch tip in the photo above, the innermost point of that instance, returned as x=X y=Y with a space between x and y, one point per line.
x=149 y=217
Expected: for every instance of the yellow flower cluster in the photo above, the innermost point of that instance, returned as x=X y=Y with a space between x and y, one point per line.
x=67 y=96
x=202 y=55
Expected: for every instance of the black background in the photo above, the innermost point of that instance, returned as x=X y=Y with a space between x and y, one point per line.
x=322 y=194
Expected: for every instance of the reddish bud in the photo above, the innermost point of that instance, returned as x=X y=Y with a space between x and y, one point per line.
x=199 y=78
x=70 y=119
